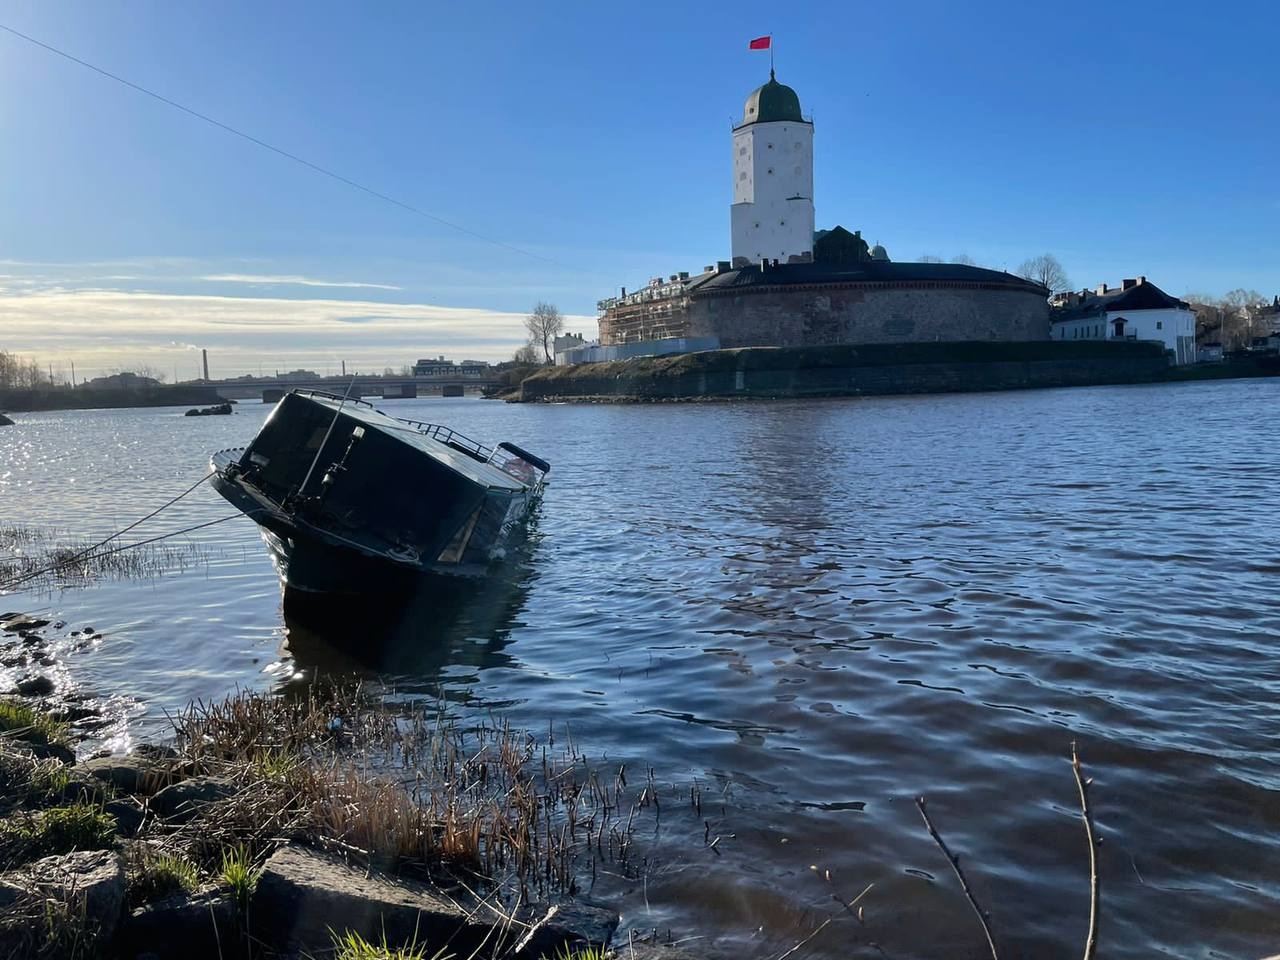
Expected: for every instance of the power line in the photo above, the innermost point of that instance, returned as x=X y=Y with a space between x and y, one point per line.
x=284 y=153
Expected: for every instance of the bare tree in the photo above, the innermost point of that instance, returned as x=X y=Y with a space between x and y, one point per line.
x=544 y=324
x=929 y=258
x=527 y=355
x=965 y=259
x=1046 y=271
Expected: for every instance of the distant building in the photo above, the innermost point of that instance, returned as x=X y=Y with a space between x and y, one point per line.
x=1135 y=310
x=1209 y=353
x=570 y=341
x=122 y=381
x=440 y=367
x=785 y=285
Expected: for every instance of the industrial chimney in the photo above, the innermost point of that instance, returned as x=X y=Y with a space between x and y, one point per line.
x=204 y=356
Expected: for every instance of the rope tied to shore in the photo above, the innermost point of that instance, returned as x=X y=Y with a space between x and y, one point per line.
x=89 y=552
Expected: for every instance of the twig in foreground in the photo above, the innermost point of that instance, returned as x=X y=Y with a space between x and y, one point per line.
x=821 y=926
x=964 y=883
x=1091 y=943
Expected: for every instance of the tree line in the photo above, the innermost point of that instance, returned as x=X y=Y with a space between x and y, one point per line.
x=1232 y=319
x=19 y=374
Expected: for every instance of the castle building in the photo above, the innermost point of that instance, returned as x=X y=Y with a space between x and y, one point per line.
x=787 y=285
x=772 y=213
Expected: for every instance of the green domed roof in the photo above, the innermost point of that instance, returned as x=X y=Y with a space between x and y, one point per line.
x=773 y=101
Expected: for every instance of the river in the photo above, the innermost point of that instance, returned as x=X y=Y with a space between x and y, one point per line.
x=817 y=611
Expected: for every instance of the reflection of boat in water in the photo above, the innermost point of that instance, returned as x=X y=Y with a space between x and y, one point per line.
x=351 y=500
x=417 y=635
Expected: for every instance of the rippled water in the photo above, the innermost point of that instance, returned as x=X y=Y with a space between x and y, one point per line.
x=818 y=610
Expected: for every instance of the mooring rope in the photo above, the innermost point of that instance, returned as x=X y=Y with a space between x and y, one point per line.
x=88 y=552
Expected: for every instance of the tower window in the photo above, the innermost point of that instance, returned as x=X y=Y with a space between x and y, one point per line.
x=770 y=170
x=782 y=223
x=757 y=226
x=770 y=146
x=1159 y=324
x=742 y=175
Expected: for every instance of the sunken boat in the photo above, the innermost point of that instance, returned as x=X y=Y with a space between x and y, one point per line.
x=351 y=500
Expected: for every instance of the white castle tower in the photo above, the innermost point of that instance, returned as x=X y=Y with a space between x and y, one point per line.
x=772 y=212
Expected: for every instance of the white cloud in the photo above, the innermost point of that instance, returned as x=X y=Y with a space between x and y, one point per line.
x=105 y=329
x=292 y=281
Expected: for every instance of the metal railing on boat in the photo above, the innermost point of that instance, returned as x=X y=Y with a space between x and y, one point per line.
x=498 y=456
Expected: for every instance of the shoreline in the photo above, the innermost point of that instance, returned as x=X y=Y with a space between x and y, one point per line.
x=871 y=370
x=280 y=823
x=44 y=401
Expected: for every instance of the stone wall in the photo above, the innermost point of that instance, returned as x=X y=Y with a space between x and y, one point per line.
x=867 y=313
x=853 y=371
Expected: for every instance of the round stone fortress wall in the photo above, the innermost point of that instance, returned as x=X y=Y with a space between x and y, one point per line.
x=867 y=313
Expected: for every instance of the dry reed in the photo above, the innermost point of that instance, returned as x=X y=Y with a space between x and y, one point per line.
x=405 y=789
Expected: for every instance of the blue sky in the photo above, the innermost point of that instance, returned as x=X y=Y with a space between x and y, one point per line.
x=1133 y=138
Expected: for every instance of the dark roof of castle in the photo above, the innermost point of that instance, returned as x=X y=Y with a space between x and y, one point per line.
x=869 y=271
x=1141 y=296
x=773 y=101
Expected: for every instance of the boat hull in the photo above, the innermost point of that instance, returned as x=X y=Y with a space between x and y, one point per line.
x=312 y=566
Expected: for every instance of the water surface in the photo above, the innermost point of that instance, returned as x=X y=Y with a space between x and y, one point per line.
x=817 y=611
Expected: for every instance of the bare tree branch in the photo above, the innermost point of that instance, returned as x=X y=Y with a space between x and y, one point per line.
x=1091 y=943
x=1046 y=271
x=964 y=883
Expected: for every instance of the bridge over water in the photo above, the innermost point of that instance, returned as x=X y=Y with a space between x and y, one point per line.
x=271 y=389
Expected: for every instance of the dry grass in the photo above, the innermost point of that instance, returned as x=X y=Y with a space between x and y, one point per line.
x=38 y=926
x=403 y=790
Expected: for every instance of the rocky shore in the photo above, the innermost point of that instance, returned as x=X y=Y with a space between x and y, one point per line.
x=282 y=827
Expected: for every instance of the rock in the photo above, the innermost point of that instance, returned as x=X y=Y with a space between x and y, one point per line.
x=129 y=815
x=21 y=622
x=92 y=882
x=70 y=713
x=303 y=894
x=36 y=686
x=653 y=951
x=574 y=923
x=84 y=789
x=54 y=751
x=221 y=409
x=133 y=774
x=154 y=751
x=5 y=421
x=202 y=926
x=88 y=631
x=182 y=801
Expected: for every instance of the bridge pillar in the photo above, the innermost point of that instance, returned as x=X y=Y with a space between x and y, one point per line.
x=272 y=395
x=451 y=390
x=403 y=391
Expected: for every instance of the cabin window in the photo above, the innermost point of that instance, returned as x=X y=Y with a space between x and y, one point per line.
x=1159 y=324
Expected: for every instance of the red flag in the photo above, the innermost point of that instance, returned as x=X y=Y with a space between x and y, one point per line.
x=760 y=43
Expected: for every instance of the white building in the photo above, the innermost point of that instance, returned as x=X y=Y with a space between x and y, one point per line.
x=1135 y=310
x=772 y=213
